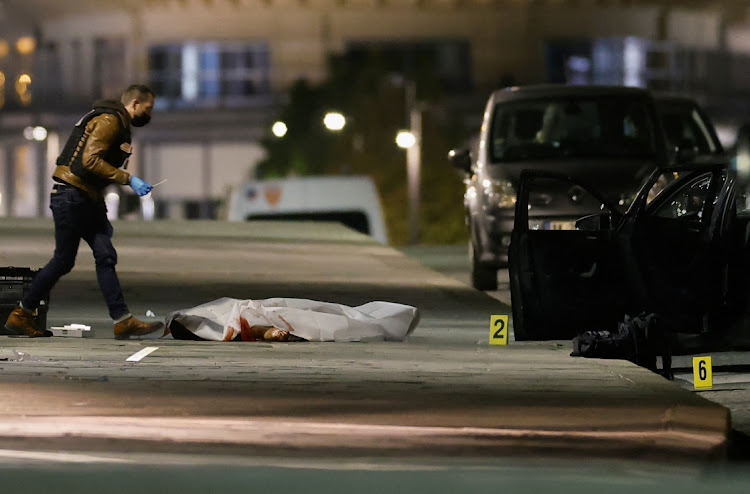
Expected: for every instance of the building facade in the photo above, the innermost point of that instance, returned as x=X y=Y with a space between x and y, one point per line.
x=221 y=69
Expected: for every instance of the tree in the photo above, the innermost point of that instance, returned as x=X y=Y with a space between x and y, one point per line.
x=364 y=91
x=305 y=149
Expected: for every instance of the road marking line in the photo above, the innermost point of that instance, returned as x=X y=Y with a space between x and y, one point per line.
x=136 y=357
x=60 y=457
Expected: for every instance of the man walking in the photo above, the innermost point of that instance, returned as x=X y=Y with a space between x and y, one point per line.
x=92 y=159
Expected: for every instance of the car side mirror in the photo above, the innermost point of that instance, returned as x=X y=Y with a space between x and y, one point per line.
x=461 y=159
x=594 y=222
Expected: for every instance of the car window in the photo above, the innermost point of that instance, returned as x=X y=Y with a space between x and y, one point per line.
x=554 y=128
x=686 y=127
x=661 y=182
x=686 y=203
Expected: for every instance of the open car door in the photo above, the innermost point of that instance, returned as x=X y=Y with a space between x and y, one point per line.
x=668 y=254
x=562 y=280
x=677 y=245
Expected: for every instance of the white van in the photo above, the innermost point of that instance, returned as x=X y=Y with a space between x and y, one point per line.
x=350 y=200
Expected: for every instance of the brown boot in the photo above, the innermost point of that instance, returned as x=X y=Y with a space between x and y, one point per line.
x=22 y=322
x=133 y=328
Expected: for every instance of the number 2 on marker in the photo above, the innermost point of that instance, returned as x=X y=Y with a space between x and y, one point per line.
x=499 y=330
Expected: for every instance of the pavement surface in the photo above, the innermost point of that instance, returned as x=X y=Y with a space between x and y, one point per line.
x=443 y=392
x=730 y=367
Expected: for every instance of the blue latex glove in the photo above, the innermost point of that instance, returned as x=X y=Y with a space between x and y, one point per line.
x=141 y=187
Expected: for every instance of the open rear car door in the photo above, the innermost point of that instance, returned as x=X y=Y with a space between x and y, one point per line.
x=669 y=253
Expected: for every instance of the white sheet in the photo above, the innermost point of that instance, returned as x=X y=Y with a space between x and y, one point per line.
x=219 y=320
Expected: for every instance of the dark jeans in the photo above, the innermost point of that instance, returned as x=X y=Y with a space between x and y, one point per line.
x=77 y=217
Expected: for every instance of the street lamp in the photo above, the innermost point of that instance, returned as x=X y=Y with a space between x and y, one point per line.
x=334 y=121
x=405 y=139
x=413 y=171
x=411 y=140
x=40 y=147
x=37 y=133
x=279 y=129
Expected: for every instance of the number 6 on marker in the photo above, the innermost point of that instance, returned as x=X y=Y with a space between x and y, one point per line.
x=702 y=375
x=499 y=329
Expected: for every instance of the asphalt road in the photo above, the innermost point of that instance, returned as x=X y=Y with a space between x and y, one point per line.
x=109 y=421
x=731 y=370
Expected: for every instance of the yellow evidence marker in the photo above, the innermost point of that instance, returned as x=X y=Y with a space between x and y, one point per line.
x=499 y=329
x=702 y=375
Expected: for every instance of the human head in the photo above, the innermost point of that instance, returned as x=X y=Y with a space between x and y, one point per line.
x=552 y=124
x=139 y=102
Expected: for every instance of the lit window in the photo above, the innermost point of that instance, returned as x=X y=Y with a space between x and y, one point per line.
x=209 y=73
x=25 y=45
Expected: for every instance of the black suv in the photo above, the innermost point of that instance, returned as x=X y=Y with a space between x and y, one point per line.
x=607 y=136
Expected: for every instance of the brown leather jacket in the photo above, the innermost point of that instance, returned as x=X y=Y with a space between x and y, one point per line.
x=103 y=131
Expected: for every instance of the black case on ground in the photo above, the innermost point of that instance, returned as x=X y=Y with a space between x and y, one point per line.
x=14 y=282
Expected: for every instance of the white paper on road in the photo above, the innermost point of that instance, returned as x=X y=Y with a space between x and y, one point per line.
x=221 y=319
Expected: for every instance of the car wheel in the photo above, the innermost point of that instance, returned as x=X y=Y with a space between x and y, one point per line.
x=483 y=277
x=519 y=318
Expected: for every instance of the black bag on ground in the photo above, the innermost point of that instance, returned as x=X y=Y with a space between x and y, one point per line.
x=637 y=339
x=604 y=344
x=14 y=283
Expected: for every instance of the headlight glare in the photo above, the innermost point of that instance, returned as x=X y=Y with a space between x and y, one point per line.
x=500 y=193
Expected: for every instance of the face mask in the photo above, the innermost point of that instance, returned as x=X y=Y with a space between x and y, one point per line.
x=140 y=120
